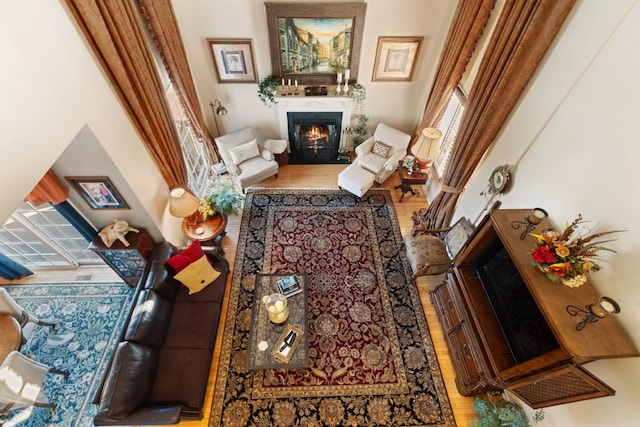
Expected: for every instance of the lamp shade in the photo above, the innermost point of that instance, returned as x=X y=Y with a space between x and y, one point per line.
x=182 y=203
x=427 y=148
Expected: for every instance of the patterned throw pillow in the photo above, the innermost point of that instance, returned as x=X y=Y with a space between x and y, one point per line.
x=381 y=149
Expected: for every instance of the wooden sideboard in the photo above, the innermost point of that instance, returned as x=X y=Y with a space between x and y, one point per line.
x=507 y=325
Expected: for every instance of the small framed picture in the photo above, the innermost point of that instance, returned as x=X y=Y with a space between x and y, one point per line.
x=98 y=192
x=396 y=58
x=233 y=60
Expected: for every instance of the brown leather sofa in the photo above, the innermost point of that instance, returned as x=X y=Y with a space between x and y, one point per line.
x=159 y=370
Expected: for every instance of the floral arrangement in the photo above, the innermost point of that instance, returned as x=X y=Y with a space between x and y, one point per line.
x=568 y=257
x=220 y=197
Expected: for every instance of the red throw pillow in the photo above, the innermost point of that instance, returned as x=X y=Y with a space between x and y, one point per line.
x=183 y=259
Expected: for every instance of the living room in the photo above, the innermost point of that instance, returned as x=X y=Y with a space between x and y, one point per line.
x=563 y=160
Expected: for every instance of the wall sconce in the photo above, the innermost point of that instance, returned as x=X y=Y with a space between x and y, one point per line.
x=218 y=110
x=426 y=150
x=183 y=204
x=534 y=218
x=594 y=312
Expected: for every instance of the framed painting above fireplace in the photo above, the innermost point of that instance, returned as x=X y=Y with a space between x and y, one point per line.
x=312 y=42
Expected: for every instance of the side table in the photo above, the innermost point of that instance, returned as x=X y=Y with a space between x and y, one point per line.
x=407 y=180
x=209 y=231
x=128 y=261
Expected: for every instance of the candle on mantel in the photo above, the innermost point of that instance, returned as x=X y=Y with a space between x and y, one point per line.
x=296 y=83
x=283 y=81
x=347 y=74
x=339 y=77
x=289 y=81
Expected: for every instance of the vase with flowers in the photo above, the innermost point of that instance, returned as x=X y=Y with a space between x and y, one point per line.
x=220 y=198
x=567 y=256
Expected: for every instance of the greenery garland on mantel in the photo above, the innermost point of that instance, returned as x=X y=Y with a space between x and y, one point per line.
x=267 y=89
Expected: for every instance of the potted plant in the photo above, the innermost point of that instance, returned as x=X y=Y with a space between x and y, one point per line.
x=360 y=132
x=358 y=93
x=220 y=198
x=495 y=411
x=267 y=89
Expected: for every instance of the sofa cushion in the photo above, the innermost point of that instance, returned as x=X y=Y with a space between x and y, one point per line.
x=213 y=292
x=197 y=275
x=159 y=274
x=130 y=379
x=244 y=152
x=193 y=325
x=150 y=319
x=185 y=257
x=183 y=374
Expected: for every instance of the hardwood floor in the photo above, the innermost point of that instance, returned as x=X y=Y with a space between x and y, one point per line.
x=316 y=176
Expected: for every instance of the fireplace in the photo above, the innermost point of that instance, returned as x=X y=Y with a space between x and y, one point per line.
x=314 y=137
x=314 y=128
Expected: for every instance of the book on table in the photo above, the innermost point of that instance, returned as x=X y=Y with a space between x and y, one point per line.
x=289 y=286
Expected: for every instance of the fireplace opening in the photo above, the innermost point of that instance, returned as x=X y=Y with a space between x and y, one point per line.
x=314 y=137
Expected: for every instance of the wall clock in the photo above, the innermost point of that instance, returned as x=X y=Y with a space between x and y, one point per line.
x=499 y=180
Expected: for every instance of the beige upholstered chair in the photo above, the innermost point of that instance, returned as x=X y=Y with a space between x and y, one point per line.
x=373 y=156
x=246 y=159
x=21 y=382
x=432 y=250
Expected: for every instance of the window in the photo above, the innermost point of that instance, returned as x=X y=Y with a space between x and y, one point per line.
x=449 y=126
x=38 y=236
x=193 y=150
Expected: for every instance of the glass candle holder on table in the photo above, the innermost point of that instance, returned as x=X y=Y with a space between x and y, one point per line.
x=276 y=305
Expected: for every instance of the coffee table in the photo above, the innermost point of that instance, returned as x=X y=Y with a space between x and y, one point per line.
x=262 y=330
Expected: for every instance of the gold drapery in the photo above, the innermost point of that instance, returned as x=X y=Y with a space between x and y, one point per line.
x=166 y=35
x=48 y=189
x=117 y=36
x=522 y=36
x=467 y=25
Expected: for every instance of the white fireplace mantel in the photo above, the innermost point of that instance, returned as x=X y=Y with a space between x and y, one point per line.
x=290 y=104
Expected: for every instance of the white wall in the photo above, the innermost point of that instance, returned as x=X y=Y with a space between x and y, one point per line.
x=399 y=104
x=574 y=143
x=52 y=88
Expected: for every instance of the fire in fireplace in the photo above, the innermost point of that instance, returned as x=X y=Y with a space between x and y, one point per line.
x=314 y=137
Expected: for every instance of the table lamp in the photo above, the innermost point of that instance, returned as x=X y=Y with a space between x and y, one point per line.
x=183 y=204
x=426 y=149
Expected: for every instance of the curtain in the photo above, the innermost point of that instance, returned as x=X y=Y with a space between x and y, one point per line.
x=165 y=33
x=114 y=30
x=468 y=23
x=50 y=190
x=11 y=270
x=523 y=33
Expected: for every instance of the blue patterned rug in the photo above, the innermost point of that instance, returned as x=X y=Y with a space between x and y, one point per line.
x=89 y=317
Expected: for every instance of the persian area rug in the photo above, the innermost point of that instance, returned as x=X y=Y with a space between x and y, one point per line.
x=88 y=317
x=372 y=361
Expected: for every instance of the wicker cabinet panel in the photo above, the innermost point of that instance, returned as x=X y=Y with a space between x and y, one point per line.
x=569 y=383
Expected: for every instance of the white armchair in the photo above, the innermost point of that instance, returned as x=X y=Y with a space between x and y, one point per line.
x=246 y=159
x=370 y=155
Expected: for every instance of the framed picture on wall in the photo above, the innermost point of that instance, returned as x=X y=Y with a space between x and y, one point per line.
x=312 y=42
x=396 y=58
x=233 y=60
x=97 y=191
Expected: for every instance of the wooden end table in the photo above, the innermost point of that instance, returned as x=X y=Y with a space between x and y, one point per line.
x=10 y=335
x=407 y=180
x=209 y=231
